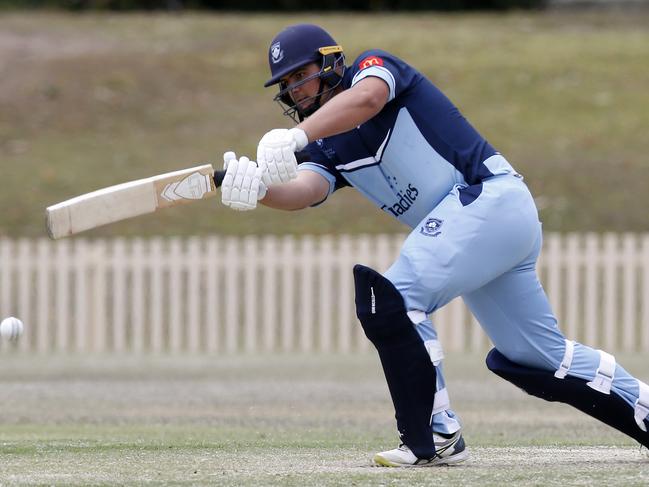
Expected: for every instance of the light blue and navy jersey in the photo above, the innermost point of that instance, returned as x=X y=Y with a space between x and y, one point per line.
x=409 y=156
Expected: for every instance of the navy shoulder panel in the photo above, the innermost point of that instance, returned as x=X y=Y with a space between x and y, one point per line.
x=316 y=153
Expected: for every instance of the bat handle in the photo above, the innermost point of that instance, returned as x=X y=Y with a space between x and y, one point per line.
x=302 y=156
x=218 y=178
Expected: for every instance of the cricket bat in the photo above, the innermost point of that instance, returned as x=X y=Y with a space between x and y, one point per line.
x=127 y=200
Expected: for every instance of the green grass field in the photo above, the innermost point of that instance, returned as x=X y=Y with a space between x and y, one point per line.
x=91 y=100
x=280 y=420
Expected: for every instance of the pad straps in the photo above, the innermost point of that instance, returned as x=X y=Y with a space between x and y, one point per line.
x=641 y=409
x=605 y=373
x=604 y=379
x=567 y=360
x=442 y=402
x=435 y=351
x=416 y=316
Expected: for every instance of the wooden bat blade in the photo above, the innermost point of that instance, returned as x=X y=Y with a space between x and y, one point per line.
x=127 y=200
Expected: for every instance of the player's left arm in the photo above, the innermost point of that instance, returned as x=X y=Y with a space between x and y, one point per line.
x=348 y=109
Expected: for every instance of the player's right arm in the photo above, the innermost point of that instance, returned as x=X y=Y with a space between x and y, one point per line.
x=307 y=189
x=242 y=187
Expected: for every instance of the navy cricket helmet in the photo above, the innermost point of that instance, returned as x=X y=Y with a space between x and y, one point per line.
x=299 y=45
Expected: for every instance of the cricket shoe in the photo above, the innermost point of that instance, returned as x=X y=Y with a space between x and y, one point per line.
x=449 y=450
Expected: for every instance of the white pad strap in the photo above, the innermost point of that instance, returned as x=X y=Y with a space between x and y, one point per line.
x=435 y=351
x=642 y=405
x=442 y=401
x=567 y=360
x=605 y=373
x=416 y=316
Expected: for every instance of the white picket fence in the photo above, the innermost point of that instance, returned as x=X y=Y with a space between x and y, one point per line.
x=267 y=294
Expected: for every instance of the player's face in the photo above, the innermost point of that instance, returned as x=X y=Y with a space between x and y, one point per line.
x=303 y=94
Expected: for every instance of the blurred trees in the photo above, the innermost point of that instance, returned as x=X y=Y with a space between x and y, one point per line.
x=277 y=5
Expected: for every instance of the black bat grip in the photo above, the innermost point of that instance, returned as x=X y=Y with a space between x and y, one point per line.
x=218 y=178
x=301 y=156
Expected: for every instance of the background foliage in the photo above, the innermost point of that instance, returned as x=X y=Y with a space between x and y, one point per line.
x=277 y=5
x=91 y=100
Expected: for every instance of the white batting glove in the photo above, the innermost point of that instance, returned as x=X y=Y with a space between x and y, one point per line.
x=242 y=185
x=277 y=150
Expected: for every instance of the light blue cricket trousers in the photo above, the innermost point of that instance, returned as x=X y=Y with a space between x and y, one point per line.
x=486 y=252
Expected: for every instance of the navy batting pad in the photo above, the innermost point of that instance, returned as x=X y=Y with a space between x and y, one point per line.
x=608 y=408
x=409 y=372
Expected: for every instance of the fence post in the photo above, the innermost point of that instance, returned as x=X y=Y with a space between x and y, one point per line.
x=644 y=323
x=573 y=262
x=552 y=262
x=591 y=298
x=43 y=260
x=269 y=256
x=287 y=321
x=25 y=285
x=155 y=264
x=611 y=321
x=231 y=294
x=345 y=328
x=214 y=299
x=175 y=258
x=307 y=293
x=194 y=301
x=324 y=310
x=136 y=260
x=119 y=288
x=5 y=276
x=99 y=321
x=629 y=292
x=250 y=295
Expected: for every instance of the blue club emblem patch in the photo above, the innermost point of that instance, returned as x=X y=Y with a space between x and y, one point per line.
x=276 y=53
x=431 y=227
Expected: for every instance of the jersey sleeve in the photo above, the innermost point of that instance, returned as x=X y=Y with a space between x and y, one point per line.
x=313 y=159
x=398 y=75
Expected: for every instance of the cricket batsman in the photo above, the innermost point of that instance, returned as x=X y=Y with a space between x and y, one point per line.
x=382 y=127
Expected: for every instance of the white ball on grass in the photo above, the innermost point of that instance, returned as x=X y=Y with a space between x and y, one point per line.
x=11 y=328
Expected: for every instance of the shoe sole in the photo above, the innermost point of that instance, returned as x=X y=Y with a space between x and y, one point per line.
x=459 y=457
x=454 y=459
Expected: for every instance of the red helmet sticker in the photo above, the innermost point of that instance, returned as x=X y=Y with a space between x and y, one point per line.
x=370 y=61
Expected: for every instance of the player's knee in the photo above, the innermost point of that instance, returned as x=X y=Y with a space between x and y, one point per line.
x=529 y=355
x=513 y=355
x=499 y=360
x=531 y=350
